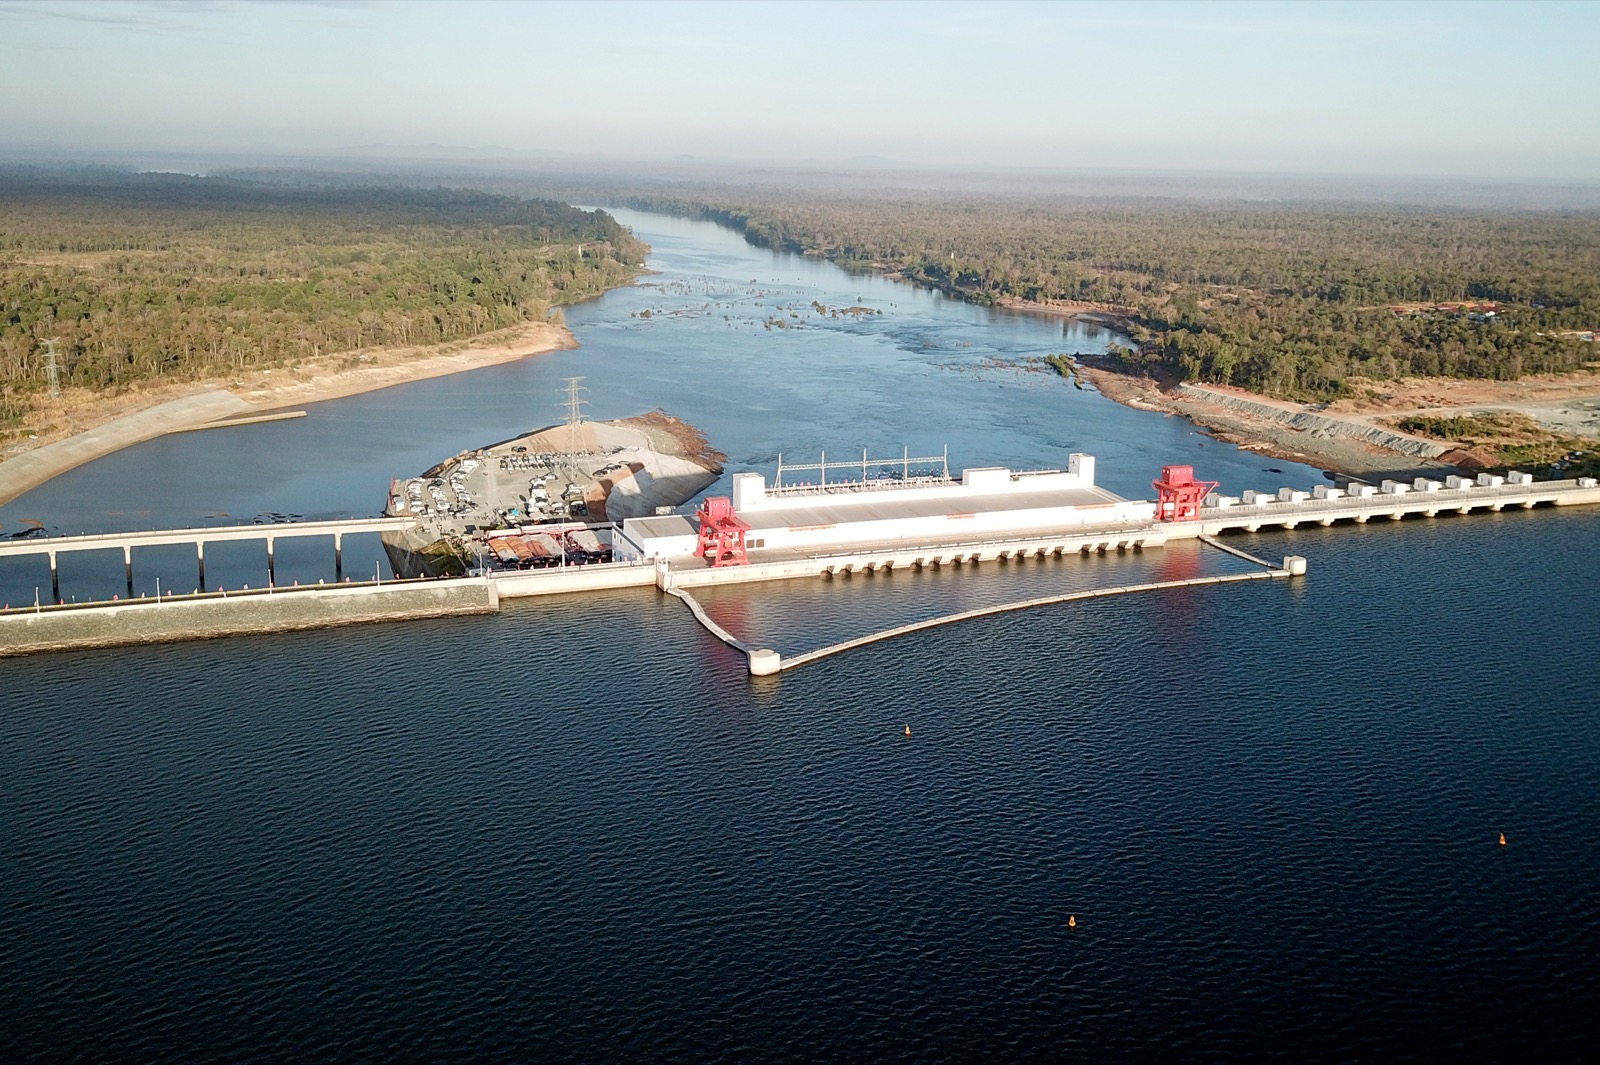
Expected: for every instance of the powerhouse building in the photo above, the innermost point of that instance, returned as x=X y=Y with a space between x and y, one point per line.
x=983 y=503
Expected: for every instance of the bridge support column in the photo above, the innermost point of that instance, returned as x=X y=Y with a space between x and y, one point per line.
x=127 y=566
x=55 y=579
x=1361 y=519
x=200 y=561
x=338 y=557
x=272 y=574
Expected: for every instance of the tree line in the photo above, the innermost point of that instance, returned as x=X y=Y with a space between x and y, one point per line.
x=1292 y=300
x=165 y=277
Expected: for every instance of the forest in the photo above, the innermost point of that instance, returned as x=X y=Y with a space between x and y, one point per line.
x=1296 y=300
x=151 y=277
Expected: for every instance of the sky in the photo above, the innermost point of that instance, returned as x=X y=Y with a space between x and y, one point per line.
x=1484 y=91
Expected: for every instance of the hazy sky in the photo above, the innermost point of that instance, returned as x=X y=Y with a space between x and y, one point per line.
x=1455 y=89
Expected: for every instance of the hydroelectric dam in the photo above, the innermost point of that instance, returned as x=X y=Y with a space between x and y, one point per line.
x=843 y=519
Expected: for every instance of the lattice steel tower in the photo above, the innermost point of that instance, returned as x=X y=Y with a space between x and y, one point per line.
x=50 y=368
x=574 y=405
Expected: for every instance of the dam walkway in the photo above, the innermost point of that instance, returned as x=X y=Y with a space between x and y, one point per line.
x=1404 y=500
x=55 y=546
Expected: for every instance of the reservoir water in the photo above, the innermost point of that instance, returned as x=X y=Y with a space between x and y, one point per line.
x=578 y=831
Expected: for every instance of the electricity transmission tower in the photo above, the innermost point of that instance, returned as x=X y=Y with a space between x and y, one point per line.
x=50 y=368
x=575 y=405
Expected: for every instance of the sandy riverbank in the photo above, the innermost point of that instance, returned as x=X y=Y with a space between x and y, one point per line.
x=1107 y=315
x=85 y=427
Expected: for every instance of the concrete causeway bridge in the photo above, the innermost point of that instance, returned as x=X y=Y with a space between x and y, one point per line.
x=54 y=546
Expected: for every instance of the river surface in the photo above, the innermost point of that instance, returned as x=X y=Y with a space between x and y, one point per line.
x=578 y=831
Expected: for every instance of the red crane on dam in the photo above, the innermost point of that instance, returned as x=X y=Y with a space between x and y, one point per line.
x=1178 y=494
x=721 y=539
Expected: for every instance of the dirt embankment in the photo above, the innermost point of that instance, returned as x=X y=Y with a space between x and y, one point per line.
x=1563 y=402
x=674 y=437
x=1282 y=430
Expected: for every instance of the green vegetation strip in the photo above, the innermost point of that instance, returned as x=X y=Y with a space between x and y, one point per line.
x=163 y=277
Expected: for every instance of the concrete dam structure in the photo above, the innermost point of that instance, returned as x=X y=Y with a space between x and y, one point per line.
x=832 y=528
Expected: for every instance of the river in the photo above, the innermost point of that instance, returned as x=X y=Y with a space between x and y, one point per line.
x=577 y=830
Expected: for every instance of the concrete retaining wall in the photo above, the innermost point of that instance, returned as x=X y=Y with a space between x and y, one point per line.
x=559 y=581
x=194 y=618
x=1316 y=424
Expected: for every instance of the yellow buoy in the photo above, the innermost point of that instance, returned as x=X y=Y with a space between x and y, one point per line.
x=1502 y=839
x=908 y=732
x=1072 y=920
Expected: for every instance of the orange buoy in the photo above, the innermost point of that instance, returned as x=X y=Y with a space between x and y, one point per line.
x=1502 y=839
x=908 y=732
x=1072 y=920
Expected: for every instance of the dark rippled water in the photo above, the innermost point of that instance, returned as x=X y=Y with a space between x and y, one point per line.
x=577 y=831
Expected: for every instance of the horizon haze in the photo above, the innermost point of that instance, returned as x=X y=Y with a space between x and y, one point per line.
x=1475 y=92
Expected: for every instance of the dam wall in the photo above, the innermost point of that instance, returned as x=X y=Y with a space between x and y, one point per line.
x=198 y=617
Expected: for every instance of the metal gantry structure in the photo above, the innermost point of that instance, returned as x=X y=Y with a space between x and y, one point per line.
x=865 y=465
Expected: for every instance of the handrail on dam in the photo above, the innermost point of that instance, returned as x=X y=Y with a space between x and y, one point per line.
x=169 y=597
x=44 y=545
x=199 y=537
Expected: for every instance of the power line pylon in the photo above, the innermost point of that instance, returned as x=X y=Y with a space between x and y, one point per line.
x=575 y=404
x=50 y=368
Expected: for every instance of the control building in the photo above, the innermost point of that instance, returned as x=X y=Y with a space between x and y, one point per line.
x=984 y=503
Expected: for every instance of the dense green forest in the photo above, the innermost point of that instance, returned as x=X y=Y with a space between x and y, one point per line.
x=1293 y=300
x=166 y=277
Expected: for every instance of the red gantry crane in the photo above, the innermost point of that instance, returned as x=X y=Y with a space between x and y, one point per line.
x=721 y=533
x=1178 y=494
